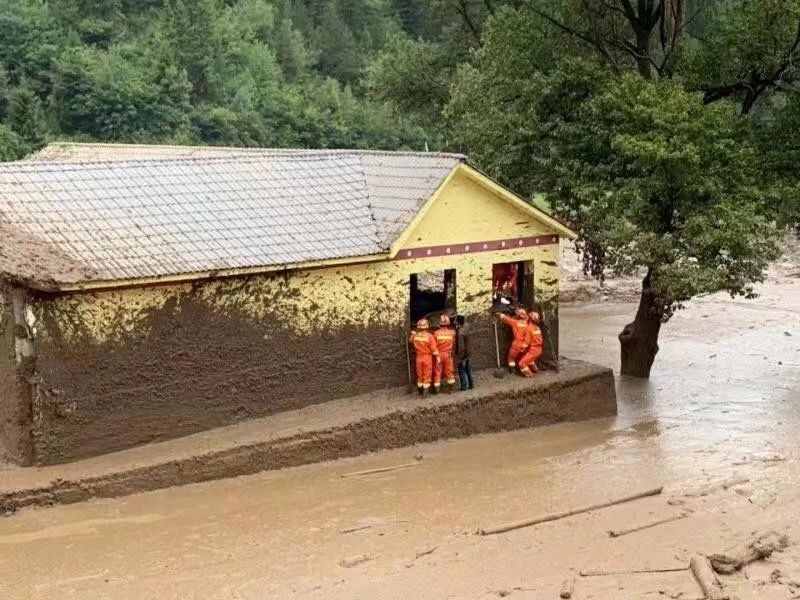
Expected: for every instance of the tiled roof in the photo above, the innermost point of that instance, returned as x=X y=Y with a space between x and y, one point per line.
x=151 y=211
x=398 y=182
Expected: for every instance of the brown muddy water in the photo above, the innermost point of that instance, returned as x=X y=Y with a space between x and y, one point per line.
x=723 y=402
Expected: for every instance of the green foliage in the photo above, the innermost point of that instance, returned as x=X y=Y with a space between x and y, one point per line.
x=12 y=147
x=652 y=178
x=747 y=48
x=25 y=118
x=413 y=75
x=117 y=96
x=663 y=182
x=237 y=72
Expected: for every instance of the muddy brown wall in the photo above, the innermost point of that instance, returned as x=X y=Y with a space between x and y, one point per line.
x=188 y=366
x=119 y=368
x=15 y=399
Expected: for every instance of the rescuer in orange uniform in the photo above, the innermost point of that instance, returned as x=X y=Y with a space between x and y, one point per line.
x=446 y=342
x=519 y=328
x=527 y=364
x=426 y=353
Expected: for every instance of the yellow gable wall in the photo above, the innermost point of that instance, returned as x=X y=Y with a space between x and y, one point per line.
x=465 y=211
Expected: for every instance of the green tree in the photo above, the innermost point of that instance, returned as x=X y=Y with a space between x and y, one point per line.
x=26 y=119
x=748 y=50
x=654 y=180
x=290 y=50
x=413 y=75
x=11 y=145
x=119 y=95
x=666 y=186
x=335 y=45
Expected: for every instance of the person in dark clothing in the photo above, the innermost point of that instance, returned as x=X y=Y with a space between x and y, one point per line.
x=463 y=354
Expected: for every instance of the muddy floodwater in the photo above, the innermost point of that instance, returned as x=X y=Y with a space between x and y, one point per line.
x=723 y=405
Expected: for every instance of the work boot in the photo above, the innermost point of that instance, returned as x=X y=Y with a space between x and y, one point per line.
x=435 y=390
x=421 y=391
x=512 y=369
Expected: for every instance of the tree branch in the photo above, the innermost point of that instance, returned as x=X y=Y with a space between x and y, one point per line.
x=463 y=10
x=756 y=85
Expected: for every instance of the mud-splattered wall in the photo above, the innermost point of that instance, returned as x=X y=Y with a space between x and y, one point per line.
x=15 y=373
x=119 y=368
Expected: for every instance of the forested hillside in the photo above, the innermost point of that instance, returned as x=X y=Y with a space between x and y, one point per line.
x=235 y=72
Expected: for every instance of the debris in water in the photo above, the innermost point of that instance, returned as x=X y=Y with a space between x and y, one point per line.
x=601 y=573
x=568 y=588
x=354 y=561
x=354 y=529
x=562 y=515
x=620 y=532
x=704 y=574
x=758 y=549
x=422 y=553
x=380 y=470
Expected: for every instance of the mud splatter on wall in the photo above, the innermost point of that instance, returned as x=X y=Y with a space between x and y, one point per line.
x=126 y=367
x=15 y=389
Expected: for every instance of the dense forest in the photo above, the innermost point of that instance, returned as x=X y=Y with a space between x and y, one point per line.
x=234 y=72
x=666 y=132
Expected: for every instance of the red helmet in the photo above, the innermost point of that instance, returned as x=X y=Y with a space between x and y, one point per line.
x=444 y=321
x=534 y=317
x=521 y=313
x=423 y=324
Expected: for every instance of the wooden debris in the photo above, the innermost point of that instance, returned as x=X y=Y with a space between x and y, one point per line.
x=567 y=588
x=381 y=470
x=354 y=529
x=422 y=553
x=758 y=549
x=562 y=515
x=706 y=579
x=591 y=573
x=620 y=532
x=354 y=561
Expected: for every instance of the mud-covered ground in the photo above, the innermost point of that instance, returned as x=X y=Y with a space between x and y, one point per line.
x=723 y=406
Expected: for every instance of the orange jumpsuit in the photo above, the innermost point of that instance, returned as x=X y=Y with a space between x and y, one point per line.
x=446 y=342
x=535 y=345
x=426 y=353
x=520 y=343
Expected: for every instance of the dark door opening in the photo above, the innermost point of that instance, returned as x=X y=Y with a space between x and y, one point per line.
x=512 y=284
x=432 y=293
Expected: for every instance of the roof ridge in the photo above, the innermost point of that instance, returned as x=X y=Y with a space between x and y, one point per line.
x=72 y=165
x=256 y=149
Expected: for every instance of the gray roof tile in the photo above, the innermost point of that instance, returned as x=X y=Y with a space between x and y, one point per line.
x=149 y=211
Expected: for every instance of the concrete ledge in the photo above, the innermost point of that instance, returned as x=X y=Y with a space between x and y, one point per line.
x=338 y=429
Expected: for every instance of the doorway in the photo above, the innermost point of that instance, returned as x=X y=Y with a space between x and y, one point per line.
x=432 y=293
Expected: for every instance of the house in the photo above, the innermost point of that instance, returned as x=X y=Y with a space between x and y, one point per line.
x=153 y=292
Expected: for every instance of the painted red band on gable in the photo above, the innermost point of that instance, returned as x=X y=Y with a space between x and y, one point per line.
x=475 y=247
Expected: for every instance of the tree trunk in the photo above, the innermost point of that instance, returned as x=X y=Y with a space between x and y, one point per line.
x=643 y=53
x=639 y=340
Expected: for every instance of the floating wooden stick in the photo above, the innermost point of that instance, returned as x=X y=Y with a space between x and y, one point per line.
x=632 y=572
x=706 y=579
x=381 y=470
x=563 y=515
x=620 y=532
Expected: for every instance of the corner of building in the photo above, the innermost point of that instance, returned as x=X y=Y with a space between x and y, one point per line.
x=17 y=375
